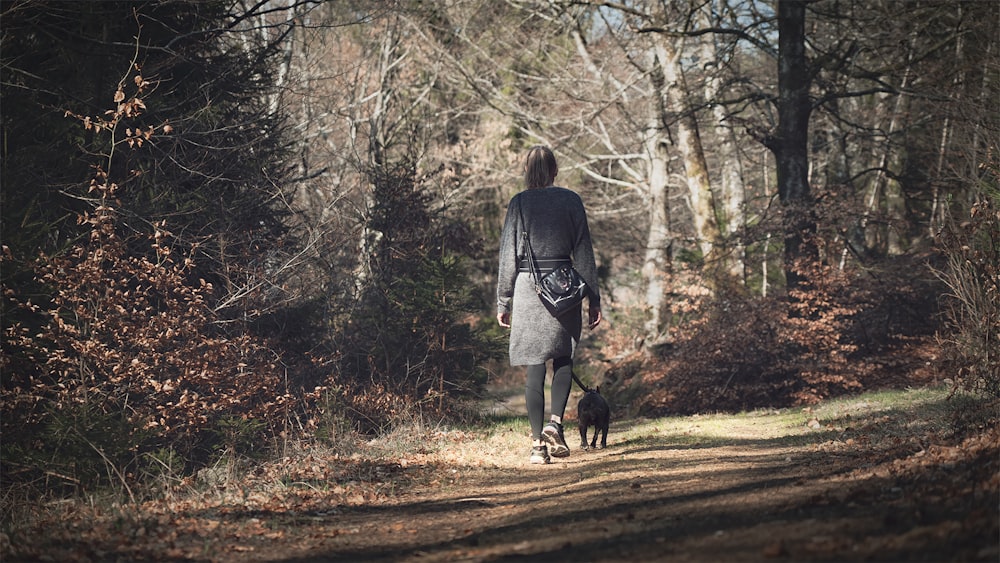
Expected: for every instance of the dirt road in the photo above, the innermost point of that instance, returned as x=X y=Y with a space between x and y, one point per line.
x=643 y=500
x=852 y=481
x=849 y=482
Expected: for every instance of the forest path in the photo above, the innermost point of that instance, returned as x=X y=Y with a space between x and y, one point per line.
x=759 y=486
x=867 y=478
x=637 y=500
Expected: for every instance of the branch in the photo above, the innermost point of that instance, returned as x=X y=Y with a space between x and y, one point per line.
x=739 y=33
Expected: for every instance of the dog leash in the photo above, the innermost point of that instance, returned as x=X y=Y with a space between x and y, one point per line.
x=580 y=383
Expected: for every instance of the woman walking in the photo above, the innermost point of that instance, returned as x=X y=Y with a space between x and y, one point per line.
x=556 y=223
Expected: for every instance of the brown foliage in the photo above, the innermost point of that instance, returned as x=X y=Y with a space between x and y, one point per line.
x=973 y=304
x=840 y=333
x=119 y=350
x=133 y=335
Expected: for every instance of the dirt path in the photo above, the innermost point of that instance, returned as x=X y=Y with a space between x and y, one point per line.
x=647 y=500
x=853 y=481
x=782 y=487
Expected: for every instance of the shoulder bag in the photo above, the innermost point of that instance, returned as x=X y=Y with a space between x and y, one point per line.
x=560 y=290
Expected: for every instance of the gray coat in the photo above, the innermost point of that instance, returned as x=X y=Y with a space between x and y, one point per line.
x=557 y=225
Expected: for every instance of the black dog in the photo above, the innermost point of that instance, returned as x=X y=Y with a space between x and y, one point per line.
x=593 y=410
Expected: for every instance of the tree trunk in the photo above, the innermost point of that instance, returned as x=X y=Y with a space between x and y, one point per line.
x=790 y=146
x=657 y=266
x=937 y=220
x=693 y=155
x=888 y=161
x=732 y=191
x=383 y=99
x=897 y=238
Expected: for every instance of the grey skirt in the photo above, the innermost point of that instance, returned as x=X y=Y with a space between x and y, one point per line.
x=535 y=335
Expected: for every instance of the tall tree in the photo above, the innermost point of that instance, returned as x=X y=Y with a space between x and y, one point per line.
x=790 y=142
x=212 y=153
x=732 y=192
x=135 y=295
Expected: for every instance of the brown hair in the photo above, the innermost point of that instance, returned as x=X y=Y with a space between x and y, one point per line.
x=540 y=167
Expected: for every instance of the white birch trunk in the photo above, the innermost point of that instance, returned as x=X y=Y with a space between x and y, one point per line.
x=656 y=267
x=689 y=143
x=732 y=190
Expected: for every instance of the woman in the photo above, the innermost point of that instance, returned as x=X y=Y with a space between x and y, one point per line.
x=556 y=223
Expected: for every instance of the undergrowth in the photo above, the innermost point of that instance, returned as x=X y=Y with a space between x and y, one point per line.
x=852 y=330
x=972 y=303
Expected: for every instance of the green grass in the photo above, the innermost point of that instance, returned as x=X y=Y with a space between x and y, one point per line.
x=500 y=437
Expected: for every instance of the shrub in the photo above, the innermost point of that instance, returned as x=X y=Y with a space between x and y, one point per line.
x=412 y=343
x=972 y=306
x=129 y=339
x=827 y=338
x=115 y=350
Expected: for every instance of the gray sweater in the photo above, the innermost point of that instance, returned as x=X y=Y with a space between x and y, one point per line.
x=557 y=225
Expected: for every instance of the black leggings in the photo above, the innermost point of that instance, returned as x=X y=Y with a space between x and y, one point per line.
x=534 y=392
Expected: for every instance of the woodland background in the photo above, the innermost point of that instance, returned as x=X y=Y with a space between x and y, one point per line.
x=232 y=224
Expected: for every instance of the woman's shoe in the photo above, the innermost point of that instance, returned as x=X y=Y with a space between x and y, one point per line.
x=539 y=455
x=552 y=434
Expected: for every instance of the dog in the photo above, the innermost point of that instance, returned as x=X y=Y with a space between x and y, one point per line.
x=593 y=410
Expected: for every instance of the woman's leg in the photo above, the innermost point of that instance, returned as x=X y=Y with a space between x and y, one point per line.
x=534 y=399
x=562 y=382
x=552 y=434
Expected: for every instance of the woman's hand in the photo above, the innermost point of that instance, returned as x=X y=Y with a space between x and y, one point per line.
x=595 y=317
x=504 y=319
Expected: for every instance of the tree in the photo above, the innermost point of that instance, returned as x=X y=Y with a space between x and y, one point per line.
x=214 y=171
x=714 y=54
x=145 y=243
x=790 y=143
x=701 y=200
x=392 y=251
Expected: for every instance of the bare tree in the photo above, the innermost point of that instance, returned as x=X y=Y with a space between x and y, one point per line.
x=731 y=206
x=790 y=143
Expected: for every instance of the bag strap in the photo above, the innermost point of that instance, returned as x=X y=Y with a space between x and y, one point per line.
x=535 y=272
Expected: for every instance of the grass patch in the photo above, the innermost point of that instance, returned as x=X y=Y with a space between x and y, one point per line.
x=501 y=438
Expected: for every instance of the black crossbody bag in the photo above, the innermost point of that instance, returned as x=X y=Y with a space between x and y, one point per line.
x=560 y=290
